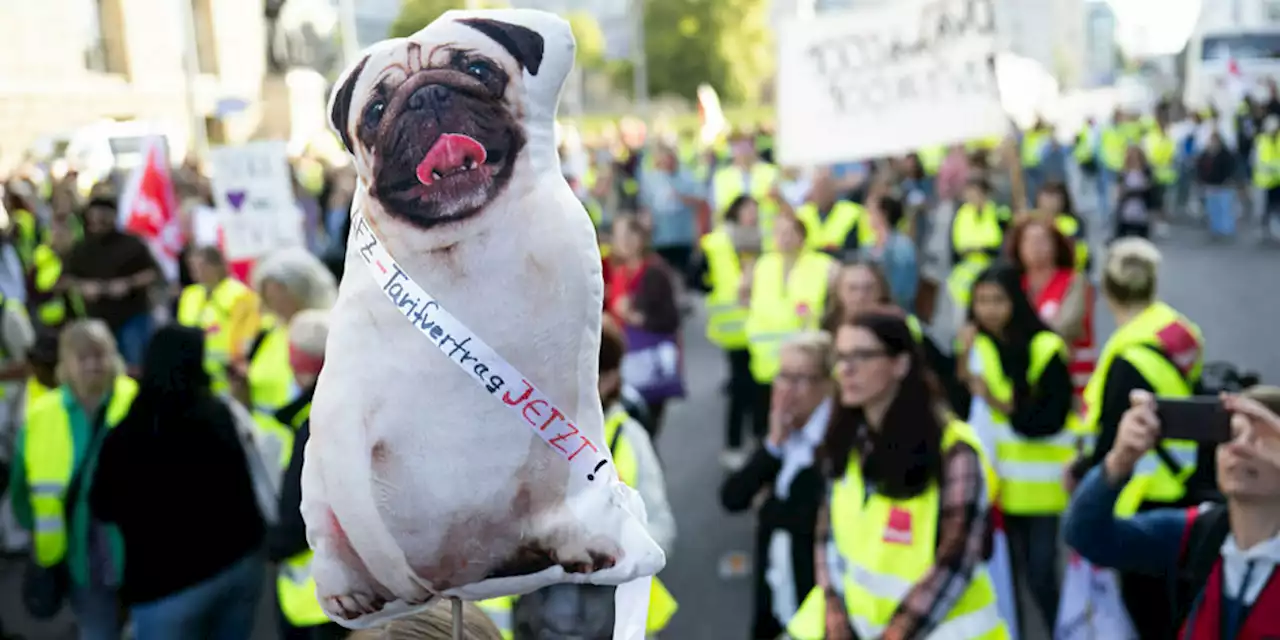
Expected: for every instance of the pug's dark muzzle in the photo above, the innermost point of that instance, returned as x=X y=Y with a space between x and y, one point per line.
x=445 y=147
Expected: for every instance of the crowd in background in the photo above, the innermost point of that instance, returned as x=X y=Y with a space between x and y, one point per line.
x=129 y=399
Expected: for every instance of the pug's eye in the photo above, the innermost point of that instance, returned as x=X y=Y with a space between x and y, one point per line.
x=480 y=70
x=373 y=114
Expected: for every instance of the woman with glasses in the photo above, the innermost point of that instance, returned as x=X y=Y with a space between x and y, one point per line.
x=783 y=471
x=906 y=514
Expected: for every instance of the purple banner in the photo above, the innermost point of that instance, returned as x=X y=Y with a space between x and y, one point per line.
x=652 y=365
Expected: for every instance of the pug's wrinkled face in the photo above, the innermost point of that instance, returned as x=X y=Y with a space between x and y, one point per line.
x=437 y=126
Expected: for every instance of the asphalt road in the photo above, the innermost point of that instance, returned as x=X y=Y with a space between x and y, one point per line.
x=1231 y=290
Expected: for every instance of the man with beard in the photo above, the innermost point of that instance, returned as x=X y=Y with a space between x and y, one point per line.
x=112 y=270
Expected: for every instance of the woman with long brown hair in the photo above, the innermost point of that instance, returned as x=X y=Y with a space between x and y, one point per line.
x=640 y=295
x=1061 y=295
x=861 y=286
x=907 y=509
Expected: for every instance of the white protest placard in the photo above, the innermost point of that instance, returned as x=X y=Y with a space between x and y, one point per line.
x=887 y=79
x=253 y=192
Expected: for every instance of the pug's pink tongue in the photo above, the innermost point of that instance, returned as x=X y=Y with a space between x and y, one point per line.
x=452 y=152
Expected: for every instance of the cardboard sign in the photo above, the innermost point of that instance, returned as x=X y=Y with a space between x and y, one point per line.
x=887 y=79
x=253 y=192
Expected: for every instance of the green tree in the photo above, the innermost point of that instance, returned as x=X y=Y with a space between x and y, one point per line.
x=725 y=43
x=416 y=14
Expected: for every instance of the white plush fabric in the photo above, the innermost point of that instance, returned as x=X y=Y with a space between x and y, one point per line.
x=418 y=480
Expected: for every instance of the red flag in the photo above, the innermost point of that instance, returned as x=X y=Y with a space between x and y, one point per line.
x=149 y=209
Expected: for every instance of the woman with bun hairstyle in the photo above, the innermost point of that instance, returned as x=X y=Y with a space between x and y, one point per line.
x=1156 y=349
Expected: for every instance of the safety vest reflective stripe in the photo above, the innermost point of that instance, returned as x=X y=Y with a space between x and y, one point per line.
x=726 y=315
x=977 y=624
x=1030 y=470
x=1184 y=453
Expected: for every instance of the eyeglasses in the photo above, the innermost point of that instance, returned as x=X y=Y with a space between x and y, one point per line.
x=858 y=356
x=796 y=379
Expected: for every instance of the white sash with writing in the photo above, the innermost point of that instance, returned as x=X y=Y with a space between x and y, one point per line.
x=435 y=323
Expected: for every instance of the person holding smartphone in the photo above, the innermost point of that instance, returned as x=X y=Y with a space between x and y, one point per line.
x=1231 y=551
x=1154 y=348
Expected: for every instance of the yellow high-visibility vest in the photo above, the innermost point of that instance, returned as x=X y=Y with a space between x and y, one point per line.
x=726 y=315
x=1083 y=151
x=727 y=184
x=1136 y=342
x=975 y=235
x=1114 y=146
x=295 y=586
x=50 y=463
x=1266 y=170
x=931 y=158
x=662 y=605
x=1032 y=145
x=296 y=592
x=48 y=270
x=885 y=546
x=777 y=301
x=1030 y=470
x=830 y=234
x=26 y=235
x=1160 y=152
x=211 y=313
x=269 y=373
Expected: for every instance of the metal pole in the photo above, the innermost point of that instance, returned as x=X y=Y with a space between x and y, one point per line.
x=191 y=59
x=457 y=618
x=350 y=43
x=639 y=59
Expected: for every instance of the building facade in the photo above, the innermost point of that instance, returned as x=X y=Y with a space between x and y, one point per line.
x=67 y=64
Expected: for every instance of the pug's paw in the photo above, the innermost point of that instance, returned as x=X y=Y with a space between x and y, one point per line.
x=353 y=605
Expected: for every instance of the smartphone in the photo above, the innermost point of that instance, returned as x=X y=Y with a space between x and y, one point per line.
x=1198 y=419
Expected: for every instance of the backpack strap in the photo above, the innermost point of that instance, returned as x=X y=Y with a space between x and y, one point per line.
x=257 y=344
x=1207 y=528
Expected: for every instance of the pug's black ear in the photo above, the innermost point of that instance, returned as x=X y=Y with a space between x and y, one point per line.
x=340 y=103
x=524 y=44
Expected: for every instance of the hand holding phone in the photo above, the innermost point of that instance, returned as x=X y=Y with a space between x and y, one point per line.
x=1200 y=419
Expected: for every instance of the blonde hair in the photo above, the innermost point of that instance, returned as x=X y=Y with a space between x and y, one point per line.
x=301 y=274
x=1267 y=395
x=815 y=345
x=1129 y=276
x=308 y=331
x=434 y=623
x=80 y=336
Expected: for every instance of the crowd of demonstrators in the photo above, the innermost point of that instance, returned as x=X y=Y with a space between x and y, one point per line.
x=994 y=431
x=878 y=458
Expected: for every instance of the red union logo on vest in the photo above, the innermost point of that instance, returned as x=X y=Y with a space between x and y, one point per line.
x=898 y=530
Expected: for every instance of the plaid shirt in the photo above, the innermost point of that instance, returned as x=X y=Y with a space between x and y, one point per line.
x=962 y=536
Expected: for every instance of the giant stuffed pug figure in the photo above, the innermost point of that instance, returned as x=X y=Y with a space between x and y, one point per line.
x=457 y=445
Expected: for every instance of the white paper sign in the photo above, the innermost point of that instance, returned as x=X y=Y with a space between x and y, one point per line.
x=887 y=79
x=253 y=192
